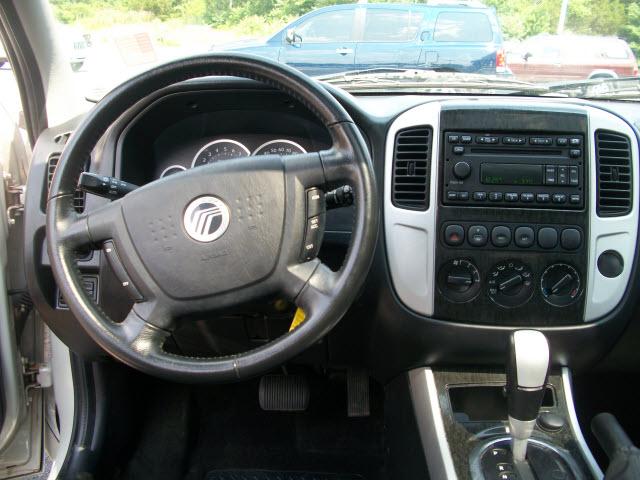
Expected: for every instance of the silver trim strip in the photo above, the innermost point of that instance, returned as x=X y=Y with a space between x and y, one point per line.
x=171 y=167
x=575 y=426
x=411 y=235
x=424 y=396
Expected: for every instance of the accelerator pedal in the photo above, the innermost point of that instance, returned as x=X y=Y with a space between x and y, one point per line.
x=284 y=393
x=358 y=403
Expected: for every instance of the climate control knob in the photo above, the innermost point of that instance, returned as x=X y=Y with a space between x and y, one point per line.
x=510 y=283
x=560 y=284
x=459 y=281
x=462 y=170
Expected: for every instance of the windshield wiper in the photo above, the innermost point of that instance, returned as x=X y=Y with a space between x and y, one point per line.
x=428 y=80
x=609 y=88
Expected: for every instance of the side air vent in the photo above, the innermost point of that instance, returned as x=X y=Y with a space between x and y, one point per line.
x=62 y=138
x=411 y=168
x=615 y=188
x=78 y=198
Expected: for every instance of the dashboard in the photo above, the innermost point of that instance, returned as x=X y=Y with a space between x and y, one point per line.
x=498 y=213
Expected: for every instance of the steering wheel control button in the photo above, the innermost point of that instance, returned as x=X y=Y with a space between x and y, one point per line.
x=570 y=239
x=459 y=281
x=560 y=285
x=510 y=283
x=547 y=237
x=315 y=202
x=501 y=236
x=478 y=236
x=313 y=237
x=524 y=237
x=610 y=264
x=454 y=235
x=206 y=219
x=461 y=169
x=110 y=252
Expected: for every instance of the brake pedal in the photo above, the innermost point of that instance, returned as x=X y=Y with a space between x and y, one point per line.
x=284 y=393
x=358 y=403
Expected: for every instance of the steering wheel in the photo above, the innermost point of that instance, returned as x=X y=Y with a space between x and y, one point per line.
x=216 y=236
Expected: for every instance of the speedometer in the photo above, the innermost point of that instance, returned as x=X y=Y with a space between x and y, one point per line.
x=217 y=150
x=279 y=147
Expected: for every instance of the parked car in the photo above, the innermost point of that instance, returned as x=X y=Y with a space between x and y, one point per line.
x=566 y=57
x=448 y=37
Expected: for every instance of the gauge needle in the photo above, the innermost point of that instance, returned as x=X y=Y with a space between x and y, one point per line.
x=560 y=283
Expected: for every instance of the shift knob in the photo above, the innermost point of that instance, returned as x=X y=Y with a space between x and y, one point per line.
x=527 y=372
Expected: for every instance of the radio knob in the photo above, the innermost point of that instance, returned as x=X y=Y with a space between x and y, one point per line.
x=462 y=170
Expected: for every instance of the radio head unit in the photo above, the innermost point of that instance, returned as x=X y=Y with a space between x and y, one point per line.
x=514 y=170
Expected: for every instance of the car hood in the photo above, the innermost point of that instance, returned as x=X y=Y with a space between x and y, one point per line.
x=246 y=43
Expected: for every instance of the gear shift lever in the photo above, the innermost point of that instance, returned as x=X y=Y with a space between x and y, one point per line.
x=526 y=379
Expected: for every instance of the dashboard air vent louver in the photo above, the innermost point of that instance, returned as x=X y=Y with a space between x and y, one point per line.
x=79 y=197
x=615 y=189
x=411 y=168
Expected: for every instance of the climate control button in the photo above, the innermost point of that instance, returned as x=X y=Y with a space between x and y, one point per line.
x=459 y=280
x=510 y=283
x=501 y=236
x=477 y=235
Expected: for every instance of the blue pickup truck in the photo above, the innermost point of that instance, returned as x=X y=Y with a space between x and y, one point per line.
x=445 y=37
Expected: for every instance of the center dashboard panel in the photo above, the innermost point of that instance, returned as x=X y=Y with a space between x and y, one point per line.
x=515 y=215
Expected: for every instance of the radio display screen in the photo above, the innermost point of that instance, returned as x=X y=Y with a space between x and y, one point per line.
x=511 y=174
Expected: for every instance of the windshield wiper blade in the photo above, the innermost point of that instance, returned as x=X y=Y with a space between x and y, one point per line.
x=598 y=87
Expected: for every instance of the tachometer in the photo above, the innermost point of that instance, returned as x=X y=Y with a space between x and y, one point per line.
x=279 y=147
x=223 y=149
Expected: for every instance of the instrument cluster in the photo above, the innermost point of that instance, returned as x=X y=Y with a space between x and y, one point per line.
x=222 y=149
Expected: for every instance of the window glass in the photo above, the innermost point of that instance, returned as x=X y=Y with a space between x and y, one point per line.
x=462 y=27
x=391 y=25
x=328 y=27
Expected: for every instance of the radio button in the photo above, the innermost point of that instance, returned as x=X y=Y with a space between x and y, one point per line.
x=495 y=196
x=501 y=236
x=574 y=179
x=514 y=140
x=524 y=237
x=562 y=141
x=454 y=235
x=550 y=175
x=540 y=141
x=511 y=197
x=547 y=237
x=464 y=196
x=543 y=198
x=458 y=149
x=479 y=196
x=452 y=195
x=487 y=140
x=478 y=235
x=563 y=175
x=575 y=142
x=453 y=138
x=527 y=197
x=466 y=138
x=575 y=153
x=575 y=199
x=461 y=169
x=559 y=198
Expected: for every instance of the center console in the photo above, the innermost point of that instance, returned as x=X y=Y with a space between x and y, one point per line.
x=515 y=214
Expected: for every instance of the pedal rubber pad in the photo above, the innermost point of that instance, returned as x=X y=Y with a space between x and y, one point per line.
x=284 y=393
x=358 y=393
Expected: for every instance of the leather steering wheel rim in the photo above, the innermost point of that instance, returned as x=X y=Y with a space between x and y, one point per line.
x=324 y=295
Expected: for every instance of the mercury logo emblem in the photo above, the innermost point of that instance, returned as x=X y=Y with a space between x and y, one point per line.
x=206 y=219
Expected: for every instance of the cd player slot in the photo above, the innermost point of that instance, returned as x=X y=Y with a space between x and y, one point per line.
x=517 y=151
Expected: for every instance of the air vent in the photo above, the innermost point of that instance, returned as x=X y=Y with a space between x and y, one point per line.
x=411 y=166
x=78 y=198
x=62 y=138
x=615 y=189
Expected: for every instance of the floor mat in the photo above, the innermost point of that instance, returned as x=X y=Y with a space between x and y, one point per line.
x=271 y=475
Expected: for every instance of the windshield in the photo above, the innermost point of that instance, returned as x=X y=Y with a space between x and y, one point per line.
x=580 y=48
